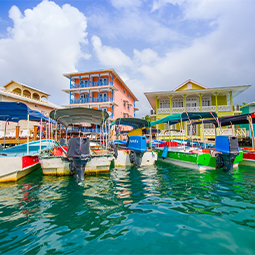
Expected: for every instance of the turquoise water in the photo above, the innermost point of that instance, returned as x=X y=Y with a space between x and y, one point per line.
x=155 y=210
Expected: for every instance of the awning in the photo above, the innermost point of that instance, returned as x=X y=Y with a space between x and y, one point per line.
x=229 y=120
x=185 y=116
x=16 y=111
x=76 y=115
x=132 y=122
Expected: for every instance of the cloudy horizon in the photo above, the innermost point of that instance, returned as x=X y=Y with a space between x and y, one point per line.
x=153 y=45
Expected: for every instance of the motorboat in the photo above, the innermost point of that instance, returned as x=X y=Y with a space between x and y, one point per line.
x=78 y=157
x=225 y=156
x=20 y=160
x=135 y=151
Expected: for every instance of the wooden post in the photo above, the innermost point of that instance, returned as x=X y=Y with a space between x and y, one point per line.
x=35 y=133
x=17 y=132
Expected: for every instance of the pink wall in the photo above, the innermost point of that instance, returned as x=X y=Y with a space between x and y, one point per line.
x=119 y=97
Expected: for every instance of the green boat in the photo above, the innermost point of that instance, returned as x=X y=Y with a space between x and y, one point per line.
x=225 y=156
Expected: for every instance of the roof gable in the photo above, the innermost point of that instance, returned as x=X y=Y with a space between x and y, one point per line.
x=190 y=85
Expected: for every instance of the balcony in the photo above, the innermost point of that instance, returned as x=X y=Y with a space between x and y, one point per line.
x=212 y=108
x=91 y=84
x=91 y=100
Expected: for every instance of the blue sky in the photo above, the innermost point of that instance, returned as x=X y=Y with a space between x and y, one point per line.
x=152 y=44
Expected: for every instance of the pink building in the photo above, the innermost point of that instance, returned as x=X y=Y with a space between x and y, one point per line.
x=102 y=89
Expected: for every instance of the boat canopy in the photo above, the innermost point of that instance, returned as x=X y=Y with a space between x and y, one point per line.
x=132 y=122
x=229 y=120
x=16 y=111
x=70 y=116
x=185 y=116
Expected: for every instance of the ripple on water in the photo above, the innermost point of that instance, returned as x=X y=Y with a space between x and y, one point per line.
x=153 y=210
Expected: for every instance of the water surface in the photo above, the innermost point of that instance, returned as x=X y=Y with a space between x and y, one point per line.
x=162 y=209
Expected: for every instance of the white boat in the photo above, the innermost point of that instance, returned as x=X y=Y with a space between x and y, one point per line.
x=96 y=160
x=136 y=150
x=18 y=161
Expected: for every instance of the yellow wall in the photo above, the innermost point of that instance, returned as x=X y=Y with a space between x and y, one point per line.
x=222 y=100
x=185 y=87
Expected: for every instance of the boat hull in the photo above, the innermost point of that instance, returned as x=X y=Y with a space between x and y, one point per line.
x=200 y=161
x=61 y=165
x=123 y=158
x=14 y=168
x=248 y=158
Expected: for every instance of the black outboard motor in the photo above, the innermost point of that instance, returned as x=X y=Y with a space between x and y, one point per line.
x=228 y=148
x=114 y=147
x=79 y=152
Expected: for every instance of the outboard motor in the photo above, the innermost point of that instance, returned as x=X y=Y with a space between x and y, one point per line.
x=137 y=145
x=114 y=147
x=79 y=152
x=228 y=148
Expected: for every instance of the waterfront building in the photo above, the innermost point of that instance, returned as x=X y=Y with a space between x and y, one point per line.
x=101 y=89
x=191 y=96
x=34 y=98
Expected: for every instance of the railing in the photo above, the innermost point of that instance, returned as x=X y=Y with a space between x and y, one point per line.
x=239 y=132
x=90 y=84
x=91 y=100
x=164 y=111
x=208 y=132
x=178 y=110
x=212 y=108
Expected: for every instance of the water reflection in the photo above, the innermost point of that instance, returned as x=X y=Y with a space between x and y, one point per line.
x=151 y=207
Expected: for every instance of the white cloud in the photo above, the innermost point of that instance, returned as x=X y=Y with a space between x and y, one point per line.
x=126 y=3
x=43 y=43
x=109 y=56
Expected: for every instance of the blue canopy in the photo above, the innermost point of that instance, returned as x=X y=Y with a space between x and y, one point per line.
x=185 y=116
x=16 y=111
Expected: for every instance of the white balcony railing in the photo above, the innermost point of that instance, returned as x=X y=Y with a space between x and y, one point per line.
x=212 y=108
x=164 y=111
x=178 y=110
x=224 y=108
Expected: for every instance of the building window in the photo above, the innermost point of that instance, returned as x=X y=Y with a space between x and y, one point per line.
x=189 y=85
x=192 y=102
x=127 y=95
x=124 y=103
x=164 y=103
x=206 y=101
x=178 y=103
x=124 y=91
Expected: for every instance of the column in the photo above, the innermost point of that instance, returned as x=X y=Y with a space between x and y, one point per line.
x=79 y=81
x=185 y=102
x=216 y=102
x=171 y=104
x=89 y=81
x=157 y=104
x=201 y=106
x=231 y=100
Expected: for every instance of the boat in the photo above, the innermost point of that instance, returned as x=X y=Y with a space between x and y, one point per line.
x=137 y=150
x=248 y=153
x=79 y=157
x=20 y=160
x=225 y=156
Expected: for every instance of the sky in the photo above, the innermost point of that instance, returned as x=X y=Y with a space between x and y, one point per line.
x=154 y=45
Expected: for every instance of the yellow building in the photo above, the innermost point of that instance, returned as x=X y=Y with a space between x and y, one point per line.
x=35 y=99
x=194 y=97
